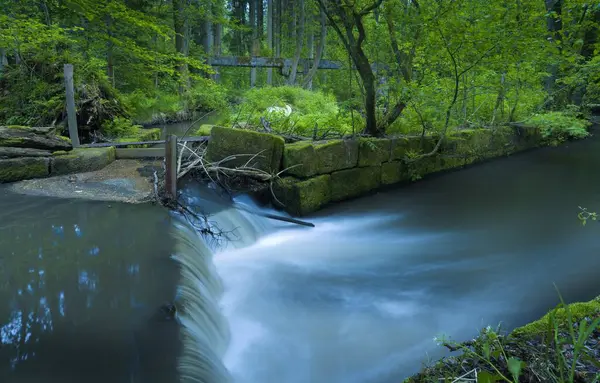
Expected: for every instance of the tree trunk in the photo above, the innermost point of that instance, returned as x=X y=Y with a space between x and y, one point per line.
x=3 y=59
x=320 y=49
x=554 y=27
x=110 y=67
x=217 y=46
x=270 y=38
x=181 y=34
x=254 y=43
x=299 y=43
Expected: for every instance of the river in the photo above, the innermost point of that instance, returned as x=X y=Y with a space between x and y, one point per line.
x=359 y=298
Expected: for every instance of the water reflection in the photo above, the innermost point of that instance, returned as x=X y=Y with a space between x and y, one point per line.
x=79 y=283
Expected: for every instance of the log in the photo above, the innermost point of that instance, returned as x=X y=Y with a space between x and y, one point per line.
x=24 y=137
x=6 y=152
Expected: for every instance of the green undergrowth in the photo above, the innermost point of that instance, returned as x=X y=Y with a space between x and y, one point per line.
x=313 y=113
x=167 y=106
x=560 y=347
x=558 y=127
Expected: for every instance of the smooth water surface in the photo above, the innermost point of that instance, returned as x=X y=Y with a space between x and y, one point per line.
x=81 y=284
x=360 y=297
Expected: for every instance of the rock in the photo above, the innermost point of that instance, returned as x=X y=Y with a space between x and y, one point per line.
x=16 y=169
x=336 y=155
x=374 y=151
x=393 y=172
x=303 y=197
x=351 y=183
x=82 y=160
x=243 y=144
x=6 y=152
x=35 y=138
x=300 y=159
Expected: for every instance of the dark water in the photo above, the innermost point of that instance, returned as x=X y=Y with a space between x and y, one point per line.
x=358 y=298
x=80 y=284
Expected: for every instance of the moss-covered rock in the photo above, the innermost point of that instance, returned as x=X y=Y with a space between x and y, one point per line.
x=267 y=149
x=82 y=160
x=578 y=310
x=7 y=152
x=336 y=155
x=374 y=151
x=399 y=147
x=351 y=183
x=17 y=169
x=34 y=138
x=300 y=159
x=204 y=130
x=393 y=172
x=302 y=197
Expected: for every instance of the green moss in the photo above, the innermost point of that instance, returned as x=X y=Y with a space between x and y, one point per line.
x=393 y=172
x=67 y=139
x=578 y=311
x=16 y=142
x=300 y=159
x=204 y=130
x=351 y=183
x=399 y=147
x=18 y=127
x=336 y=155
x=17 y=169
x=141 y=134
x=267 y=149
x=60 y=153
x=373 y=151
x=304 y=197
x=81 y=160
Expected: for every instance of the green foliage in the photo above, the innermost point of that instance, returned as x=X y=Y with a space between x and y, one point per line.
x=558 y=127
x=310 y=111
x=205 y=96
x=119 y=127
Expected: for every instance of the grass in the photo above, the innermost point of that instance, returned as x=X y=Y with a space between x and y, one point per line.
x=561 y=347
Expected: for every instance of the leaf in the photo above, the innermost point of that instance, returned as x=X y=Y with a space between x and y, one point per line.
x=515 y=366
x=487 y=377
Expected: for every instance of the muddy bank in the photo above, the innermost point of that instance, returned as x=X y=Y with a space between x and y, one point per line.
x=129 y=181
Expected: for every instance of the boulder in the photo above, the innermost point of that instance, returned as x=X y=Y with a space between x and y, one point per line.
x=260 y=150
x=7 y=152
x=81 y=160
x=34 y=138
x=17 y=169
x=301 y=197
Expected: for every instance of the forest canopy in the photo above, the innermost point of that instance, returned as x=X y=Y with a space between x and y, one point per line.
x=403 y=66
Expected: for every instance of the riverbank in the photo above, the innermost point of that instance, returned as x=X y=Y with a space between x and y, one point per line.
x=562 y=346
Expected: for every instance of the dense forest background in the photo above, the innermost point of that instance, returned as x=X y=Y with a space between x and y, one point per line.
x=407 y=66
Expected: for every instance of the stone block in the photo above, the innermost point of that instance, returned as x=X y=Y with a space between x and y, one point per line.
x=336 y=155
x=17 y=169
x=374 y=151
x=244 y=144
x=351 y=183
x=302 y=197
x=82 y=160
x=393 y=172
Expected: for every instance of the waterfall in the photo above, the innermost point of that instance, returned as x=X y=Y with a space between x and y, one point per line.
x=204 y=330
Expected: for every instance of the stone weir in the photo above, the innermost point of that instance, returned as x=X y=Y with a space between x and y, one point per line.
x=27 y=153
x=314 y=174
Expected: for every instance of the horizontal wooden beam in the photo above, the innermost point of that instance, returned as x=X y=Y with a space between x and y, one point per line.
x=267 y=62
x=131 y=153
x=155 y=142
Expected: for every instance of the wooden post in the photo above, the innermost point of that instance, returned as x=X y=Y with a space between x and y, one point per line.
x=71 y=112
x=171 y=166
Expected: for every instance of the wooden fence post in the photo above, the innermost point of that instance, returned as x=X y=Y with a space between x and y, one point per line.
x=71 y=112
x=171 y=166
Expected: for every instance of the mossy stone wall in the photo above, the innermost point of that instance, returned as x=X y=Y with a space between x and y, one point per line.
x=317 y=173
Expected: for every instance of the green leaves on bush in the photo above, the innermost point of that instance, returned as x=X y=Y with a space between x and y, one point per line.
x=558 y=127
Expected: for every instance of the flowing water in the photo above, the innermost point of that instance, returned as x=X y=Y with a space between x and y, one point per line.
x=358 y=298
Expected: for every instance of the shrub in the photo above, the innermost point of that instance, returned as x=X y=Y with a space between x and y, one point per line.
x=119 y=127
x=560 y=126
x=309 y=110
